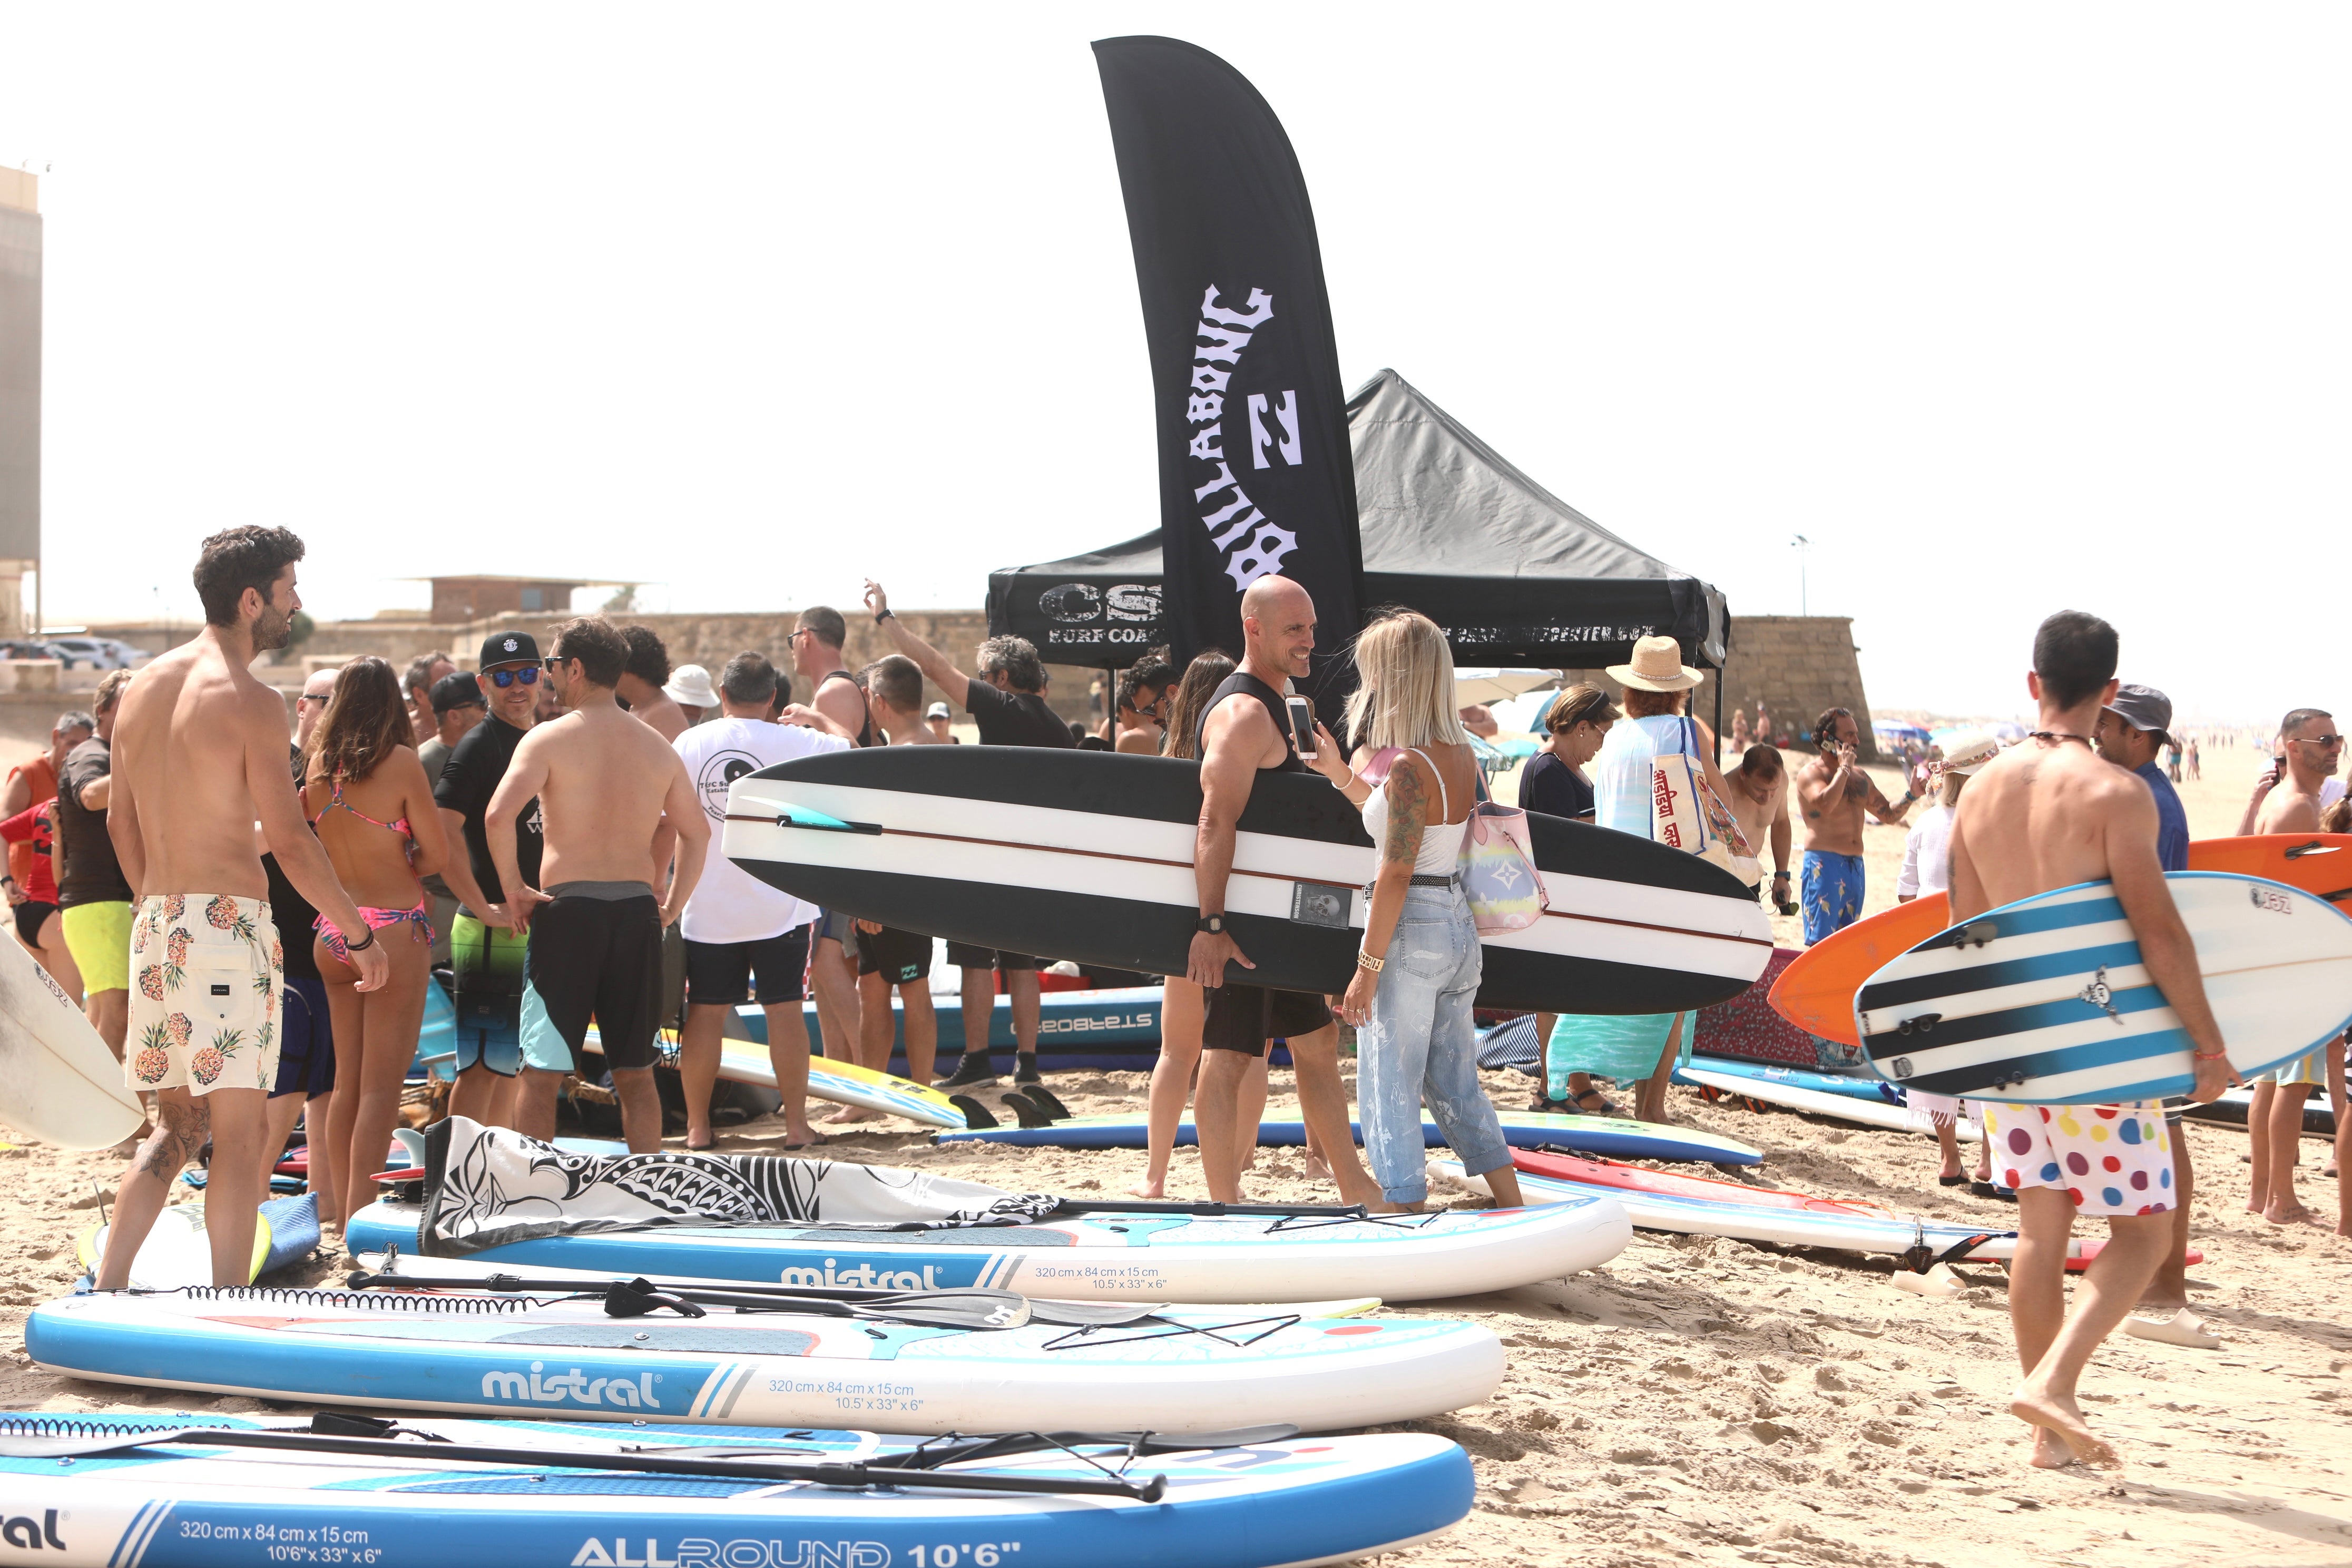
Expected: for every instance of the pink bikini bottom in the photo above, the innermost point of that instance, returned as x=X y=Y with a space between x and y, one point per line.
x=378 y=919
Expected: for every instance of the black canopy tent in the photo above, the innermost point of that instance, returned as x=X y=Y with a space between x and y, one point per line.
x=1516 y=576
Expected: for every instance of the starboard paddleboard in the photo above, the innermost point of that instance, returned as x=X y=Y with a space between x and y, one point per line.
x=541 y=1494
x=1115 y=1029
x=503 y=1354
x=2045 y=1001
x=59 y=1083
x=1614 y=1135
x=1134 y=1253
x=1088 y=855
x=1816 y=991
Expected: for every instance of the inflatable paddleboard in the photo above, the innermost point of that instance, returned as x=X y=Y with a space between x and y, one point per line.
x=2045 y=1001
x=1179 y=1369
x=1614 y=1135
x=178 y=1251
x=1088 y=855
x=1816 y=993
x=1819 y=1102
x=1756 y=1222
x=59 y=1083
x=522 y=1494
x=1117 y=1255
x=1114 y=1030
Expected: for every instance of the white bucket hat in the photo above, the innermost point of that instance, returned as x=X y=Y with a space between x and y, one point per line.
x=1964 y=754
x=689 y=687
x=1658 y=666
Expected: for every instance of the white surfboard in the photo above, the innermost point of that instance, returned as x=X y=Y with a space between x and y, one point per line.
x=1820 y=1103
x=59 y=1083
x=178 y=1251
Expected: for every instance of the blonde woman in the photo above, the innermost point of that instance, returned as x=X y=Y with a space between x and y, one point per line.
x=1419 y=967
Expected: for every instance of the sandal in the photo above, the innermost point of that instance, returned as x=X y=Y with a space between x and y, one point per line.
x=1949 y=1180
x=1606 y=1107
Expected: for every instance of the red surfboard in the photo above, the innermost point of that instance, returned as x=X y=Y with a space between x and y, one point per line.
x=1667 y=1183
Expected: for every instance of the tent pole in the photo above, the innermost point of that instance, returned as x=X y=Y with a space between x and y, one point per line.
x=1718 y=716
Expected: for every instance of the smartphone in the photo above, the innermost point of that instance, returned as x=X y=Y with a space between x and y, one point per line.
x=1302 y=724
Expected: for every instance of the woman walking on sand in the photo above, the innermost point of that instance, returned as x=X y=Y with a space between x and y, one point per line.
x=366 y=794
x=1420 y=965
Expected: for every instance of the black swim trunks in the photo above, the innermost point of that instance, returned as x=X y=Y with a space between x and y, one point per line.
x=1244 y=1017
x=595 y=953
x=720 y=974
x=900 y=957
x=31 y=916
x=964 y=956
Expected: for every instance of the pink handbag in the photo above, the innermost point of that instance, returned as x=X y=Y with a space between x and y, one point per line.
x=1498 y=868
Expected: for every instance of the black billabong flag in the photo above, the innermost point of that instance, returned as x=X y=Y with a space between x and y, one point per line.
x=1256 y=471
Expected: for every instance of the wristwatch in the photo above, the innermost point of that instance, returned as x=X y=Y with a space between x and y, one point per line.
x=1213 y=924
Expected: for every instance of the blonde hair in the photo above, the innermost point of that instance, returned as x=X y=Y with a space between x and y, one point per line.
x=1953 y=784
x=1405 y=691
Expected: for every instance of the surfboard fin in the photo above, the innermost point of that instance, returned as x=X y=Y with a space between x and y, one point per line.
x=1030 y=1114
x=976 y=1116
x=1045 y=1100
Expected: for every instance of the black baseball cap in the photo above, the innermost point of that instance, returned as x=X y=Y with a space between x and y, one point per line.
x=508 y=647
x=452 y=692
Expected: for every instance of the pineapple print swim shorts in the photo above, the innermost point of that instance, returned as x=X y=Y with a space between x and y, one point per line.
x=207 y=990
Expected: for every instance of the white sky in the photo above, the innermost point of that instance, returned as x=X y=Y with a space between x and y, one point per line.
x=2007 y=308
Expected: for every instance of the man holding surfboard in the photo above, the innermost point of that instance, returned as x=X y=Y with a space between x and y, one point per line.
x=199 y=757
x=2046 y=815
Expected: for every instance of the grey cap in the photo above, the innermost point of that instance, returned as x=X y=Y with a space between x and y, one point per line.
x=2144 y=708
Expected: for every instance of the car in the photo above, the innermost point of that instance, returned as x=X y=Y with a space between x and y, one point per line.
x=97 y=653
x=17 y=649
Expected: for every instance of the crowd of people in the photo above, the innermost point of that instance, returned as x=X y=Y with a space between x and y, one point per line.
x=254 y=917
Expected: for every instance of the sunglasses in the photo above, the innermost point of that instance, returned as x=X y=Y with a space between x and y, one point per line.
x=502 y=678
x=2330 y=741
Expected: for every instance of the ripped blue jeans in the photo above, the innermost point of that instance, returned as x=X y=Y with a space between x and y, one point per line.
x=1421 y=1046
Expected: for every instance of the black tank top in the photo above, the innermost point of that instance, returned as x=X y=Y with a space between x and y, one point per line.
x=866 y=735
x=1243 y=682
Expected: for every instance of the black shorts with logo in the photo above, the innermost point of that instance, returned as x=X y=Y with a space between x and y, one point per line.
x=1244 y=1017
x=720 y=973
x=901 y=957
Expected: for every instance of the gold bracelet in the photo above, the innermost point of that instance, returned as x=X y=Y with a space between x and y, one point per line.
x=1366 y=962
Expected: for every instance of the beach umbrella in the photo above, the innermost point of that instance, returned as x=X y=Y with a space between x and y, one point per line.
x=1499 y=684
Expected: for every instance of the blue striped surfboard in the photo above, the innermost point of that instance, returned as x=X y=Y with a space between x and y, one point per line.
x=2045 y=1001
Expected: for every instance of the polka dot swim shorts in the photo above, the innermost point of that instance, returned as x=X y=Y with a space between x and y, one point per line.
x=2110 y=1159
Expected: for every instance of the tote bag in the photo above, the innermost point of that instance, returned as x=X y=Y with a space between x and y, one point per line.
x=1685 y=813
x=1497 y=868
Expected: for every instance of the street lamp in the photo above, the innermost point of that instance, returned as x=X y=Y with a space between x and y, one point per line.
x=1799 y=543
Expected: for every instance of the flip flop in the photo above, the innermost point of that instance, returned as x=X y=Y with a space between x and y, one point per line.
x=1950 y=1181
x=1938 y=1283
x=1986 y=1190
x=2183 y=1327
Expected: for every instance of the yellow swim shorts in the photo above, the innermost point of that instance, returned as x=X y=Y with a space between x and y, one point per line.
x=99 y=937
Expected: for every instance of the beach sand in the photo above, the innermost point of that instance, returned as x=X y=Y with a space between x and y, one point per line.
x=1709 y=1401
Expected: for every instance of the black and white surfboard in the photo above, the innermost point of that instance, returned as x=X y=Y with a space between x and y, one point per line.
x=1088 y=855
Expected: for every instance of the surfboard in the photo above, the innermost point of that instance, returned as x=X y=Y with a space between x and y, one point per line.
x=523 y=1494
x=1675 y=1184
x=1852 y=1087
x=840 y=1082
x=59 y=1083
x=1127 y=1255
x=178 y=1251
x=2045 y=1001
x=1614 y=1135
x=2318 y=1116
x=1816 y=991
x=1861 y=1112
x=1088 y=855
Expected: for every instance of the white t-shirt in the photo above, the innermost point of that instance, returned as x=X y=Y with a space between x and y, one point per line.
x=1927 y=855
x=728 y=903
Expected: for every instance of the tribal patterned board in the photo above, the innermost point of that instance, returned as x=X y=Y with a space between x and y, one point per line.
x=1295 y=1501
x=1100 y=1258
x=1088 y=855
x=2045 y=1001
x=1193 y=1369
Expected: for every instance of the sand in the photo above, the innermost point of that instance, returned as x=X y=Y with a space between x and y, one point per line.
x=1710 y=1401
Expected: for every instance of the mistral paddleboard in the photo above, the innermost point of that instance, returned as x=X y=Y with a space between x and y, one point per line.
x=1104 y=1256
x=2045 y=1001
x=1616 y=1136
x=1182 y=1368
x=59 y=1083
x=1816 y=991
x=1088 y=855
x=1838 y=1107
x=546 y=1494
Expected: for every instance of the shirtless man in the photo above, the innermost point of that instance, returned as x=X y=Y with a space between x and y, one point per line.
x=2048 y=813
x=815 y=643
x=2289 y=802
x=642 y=679
x=888 y=958
x=1757 y=791
x=200 y=756
x=1241 y=738
x=1833 y=793
x=603 y=782
x=1142 y=706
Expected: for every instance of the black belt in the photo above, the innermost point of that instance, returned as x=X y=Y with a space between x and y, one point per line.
x=1420 y=881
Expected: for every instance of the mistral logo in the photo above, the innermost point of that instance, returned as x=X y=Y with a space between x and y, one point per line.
x=697 y=1553
x=32 y=1534
x=572 y=1387
x=865 y=1276
x=1251 y=543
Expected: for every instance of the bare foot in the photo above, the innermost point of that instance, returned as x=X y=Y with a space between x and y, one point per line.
x=2050 y=1450
x=1249 y=1159
x=697 y=1142
x=2062 y=1418
x=1148 y=1188
x=1315 y=1169
x=2298 y=1215
x=853 y=1113
x=803 y=1136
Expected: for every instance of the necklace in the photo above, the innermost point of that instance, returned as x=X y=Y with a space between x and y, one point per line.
x=2056 y=735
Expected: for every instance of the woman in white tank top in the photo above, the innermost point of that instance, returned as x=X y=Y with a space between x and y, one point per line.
x=1419 y=968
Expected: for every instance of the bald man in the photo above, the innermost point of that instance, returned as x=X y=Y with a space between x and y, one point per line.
x=1245 y=734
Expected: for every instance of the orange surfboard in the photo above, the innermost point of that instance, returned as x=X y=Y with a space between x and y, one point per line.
x=1816 y=991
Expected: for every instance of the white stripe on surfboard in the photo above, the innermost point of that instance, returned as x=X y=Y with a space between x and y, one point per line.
x=1698 y=939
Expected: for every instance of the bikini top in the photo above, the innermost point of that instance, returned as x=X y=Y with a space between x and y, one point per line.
x=398 y=824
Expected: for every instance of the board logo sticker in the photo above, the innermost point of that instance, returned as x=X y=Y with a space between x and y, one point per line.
x=2275 y=899
x=1902 y=1065
x=2099 y=994
x=1313 y=904
x=24 y=1530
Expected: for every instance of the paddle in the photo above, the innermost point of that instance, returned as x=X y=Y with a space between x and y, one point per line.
x=956 y=1450
x=970 y=1308
x=439 y=1454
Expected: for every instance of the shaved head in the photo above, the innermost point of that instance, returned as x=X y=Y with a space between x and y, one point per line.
x=1277 y=627
x=1265 y=598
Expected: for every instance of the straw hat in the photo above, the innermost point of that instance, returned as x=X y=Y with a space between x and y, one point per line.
x=1658 y=666
x=689 y=687
x=1964 y=754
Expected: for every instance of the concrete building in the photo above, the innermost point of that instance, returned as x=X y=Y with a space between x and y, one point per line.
x=458 y=600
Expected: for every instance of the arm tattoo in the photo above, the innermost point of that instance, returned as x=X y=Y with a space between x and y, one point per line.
x=1408 y=813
